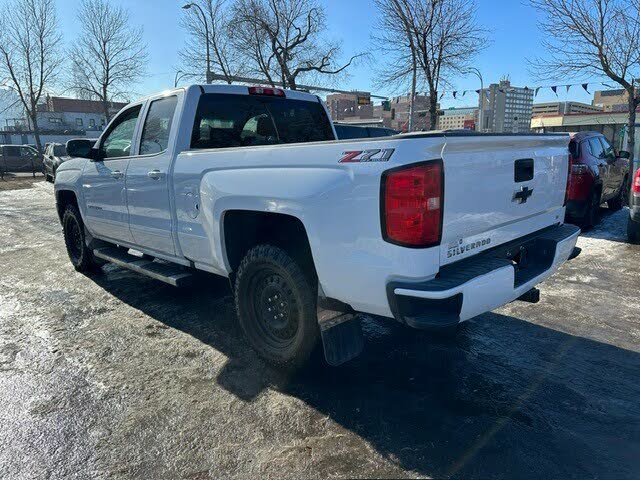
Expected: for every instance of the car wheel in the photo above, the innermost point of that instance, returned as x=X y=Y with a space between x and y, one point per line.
x=276 y=306
x=617 y=202
x=633 y=231
x=79 y=253
x=592 y=215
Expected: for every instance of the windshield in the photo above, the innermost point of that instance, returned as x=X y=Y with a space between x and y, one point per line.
x=59 y=151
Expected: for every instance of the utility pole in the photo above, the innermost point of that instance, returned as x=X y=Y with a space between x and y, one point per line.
x=206 y=32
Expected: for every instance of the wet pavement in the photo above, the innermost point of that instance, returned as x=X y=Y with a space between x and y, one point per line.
x=120 y=376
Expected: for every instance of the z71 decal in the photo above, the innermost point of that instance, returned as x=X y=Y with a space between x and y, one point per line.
x=373 y=155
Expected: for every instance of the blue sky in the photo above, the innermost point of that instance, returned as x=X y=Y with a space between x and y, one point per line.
x=511 y=25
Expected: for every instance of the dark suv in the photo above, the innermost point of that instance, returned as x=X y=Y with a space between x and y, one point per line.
x=597 y=175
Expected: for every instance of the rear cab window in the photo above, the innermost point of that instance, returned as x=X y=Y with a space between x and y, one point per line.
x=224 y=121
x=59 y=151
x=157 y=125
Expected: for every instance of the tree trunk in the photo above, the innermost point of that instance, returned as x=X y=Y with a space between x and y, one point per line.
x=412 y=100
x=36 y=131
x=433 y=109
x=105 y=105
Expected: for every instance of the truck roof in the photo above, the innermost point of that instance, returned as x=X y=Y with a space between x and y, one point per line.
x=235 y=90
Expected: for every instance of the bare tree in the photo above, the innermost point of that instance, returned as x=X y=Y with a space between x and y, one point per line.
x=29 y=53
x=284 y=40
x=396 y=43
x=593 y=37
x=108 y=56
x=445 y=38
x=213 y=28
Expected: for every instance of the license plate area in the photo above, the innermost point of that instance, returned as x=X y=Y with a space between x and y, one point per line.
x=529 y=259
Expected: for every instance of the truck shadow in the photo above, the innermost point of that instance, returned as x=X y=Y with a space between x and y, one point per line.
x=504 y=399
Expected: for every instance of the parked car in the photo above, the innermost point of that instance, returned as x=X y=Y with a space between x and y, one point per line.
x=249 y=183
x=598 y=175
x=54 y=155
x=19 y=158
x=345 y=131
x=633 y=225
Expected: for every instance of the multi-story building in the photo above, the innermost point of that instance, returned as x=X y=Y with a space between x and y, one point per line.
x=62 y=114
x=356 y=105
x=395 y=113
x=563 y=108
x=458 y=118
x=611 y=100
x=505 y=109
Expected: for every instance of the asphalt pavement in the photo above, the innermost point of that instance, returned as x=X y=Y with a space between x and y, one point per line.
x=120 y=376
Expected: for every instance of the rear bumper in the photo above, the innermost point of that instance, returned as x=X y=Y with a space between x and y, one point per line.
x=473 y=286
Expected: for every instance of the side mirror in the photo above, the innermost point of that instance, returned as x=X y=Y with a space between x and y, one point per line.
x=79 y=147
x=624 y=154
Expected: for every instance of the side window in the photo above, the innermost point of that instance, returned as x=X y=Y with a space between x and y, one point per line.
x=117 y=142
x=157 y=126
x=596 y=147
x=609 y=152
x=28 y=152
x=224 y=121
x=12 y=151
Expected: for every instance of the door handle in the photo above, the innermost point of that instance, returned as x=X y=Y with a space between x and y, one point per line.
x=117 y=174
x=155 y=174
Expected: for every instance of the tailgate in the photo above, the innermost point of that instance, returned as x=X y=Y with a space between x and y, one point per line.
x=499 y=188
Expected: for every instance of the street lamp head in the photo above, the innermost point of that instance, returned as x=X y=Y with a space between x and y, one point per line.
x=187 y=6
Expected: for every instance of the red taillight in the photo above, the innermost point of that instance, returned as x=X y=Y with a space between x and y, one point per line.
x=412 y=200
x=273 y=92
x=635 y=188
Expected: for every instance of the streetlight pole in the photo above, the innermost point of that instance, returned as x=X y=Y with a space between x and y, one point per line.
x=477 y=73
x=206 y=32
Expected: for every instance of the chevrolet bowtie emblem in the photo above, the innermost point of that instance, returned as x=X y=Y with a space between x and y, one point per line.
x=523 y=195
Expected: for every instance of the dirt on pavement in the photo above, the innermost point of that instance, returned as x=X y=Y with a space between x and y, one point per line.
x=119 y=376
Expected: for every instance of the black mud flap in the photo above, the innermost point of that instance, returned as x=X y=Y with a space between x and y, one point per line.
x=342 y=338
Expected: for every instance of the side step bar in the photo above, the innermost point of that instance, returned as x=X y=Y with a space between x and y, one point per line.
x=165 y=272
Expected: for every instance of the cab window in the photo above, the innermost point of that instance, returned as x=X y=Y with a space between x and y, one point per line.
x=224 y=121
x=596 y=147
x=157 y=126
x=608 y=151
x=119 y=138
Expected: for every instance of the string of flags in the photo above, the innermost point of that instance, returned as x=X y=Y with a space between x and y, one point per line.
x=554 y=89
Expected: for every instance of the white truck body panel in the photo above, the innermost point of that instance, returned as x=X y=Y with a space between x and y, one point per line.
x=180 y=217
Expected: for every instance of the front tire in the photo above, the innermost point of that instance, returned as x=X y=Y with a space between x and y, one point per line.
x=276 y=306
x=617 y=202
x=80 y=255
x=633 y=230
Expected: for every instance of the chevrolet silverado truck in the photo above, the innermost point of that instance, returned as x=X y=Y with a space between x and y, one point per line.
x=250 y=183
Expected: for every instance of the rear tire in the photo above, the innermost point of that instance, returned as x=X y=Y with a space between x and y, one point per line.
x=592 y=215
x=276 y=306
x=80 y=255
x=633 y=231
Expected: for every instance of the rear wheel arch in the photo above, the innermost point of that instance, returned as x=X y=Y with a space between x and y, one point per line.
x=244 y=229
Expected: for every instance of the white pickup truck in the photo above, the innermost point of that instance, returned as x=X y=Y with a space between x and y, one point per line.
x=249 y=183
